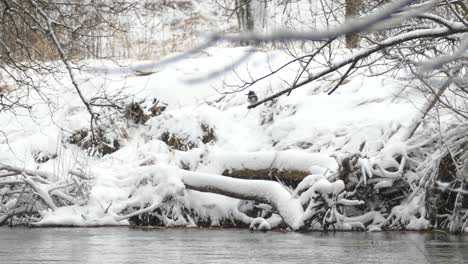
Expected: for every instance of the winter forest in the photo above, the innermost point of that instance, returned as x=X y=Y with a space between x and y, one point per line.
x=292 y=115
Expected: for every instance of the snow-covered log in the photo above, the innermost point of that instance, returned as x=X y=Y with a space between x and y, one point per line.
x=170 y=196
x=262 y=191
x=41 y=192
x=26 y=195
x=16 y=169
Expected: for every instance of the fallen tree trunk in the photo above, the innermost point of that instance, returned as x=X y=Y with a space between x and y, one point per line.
x=169 y=196
x=269 y=192
x=288 y=177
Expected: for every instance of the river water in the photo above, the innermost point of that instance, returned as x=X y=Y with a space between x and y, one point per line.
x=127 y=245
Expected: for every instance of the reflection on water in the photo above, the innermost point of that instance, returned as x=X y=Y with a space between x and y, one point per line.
x=125 y=245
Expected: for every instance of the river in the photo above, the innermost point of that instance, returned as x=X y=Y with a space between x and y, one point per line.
x=128 y=245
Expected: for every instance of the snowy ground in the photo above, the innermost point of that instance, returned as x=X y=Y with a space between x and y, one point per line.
x=303 y=131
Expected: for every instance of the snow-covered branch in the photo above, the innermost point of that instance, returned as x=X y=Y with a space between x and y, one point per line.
x=366 y=52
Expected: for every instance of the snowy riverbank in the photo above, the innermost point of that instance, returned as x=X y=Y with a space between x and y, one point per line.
x=346 y=157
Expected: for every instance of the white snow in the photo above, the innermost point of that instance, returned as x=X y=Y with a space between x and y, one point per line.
x=299 y=132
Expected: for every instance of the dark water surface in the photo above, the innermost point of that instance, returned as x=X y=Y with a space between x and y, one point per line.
x=126 y=245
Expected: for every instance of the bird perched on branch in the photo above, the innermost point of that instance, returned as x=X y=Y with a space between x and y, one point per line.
x=252 y=97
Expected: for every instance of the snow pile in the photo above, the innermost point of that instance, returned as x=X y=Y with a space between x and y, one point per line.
x=356 y=169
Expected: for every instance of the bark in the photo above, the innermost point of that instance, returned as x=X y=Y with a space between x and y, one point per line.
x=351 y=11
x=457 y=224
x=245 y=15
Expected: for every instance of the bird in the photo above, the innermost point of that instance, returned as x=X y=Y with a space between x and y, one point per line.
x=252 y=97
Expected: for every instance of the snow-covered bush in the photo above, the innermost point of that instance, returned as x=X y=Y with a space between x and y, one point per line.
x=181 y=132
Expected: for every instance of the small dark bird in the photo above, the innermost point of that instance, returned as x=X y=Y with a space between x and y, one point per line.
x=252 y=97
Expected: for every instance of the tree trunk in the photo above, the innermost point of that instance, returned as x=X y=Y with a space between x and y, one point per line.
x=251 y=15
x=351 y=11
x=244 y=15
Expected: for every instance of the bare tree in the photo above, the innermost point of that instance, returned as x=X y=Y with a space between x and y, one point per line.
x=46 y=36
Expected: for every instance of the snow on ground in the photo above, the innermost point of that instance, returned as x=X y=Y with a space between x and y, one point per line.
x=301 y=131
